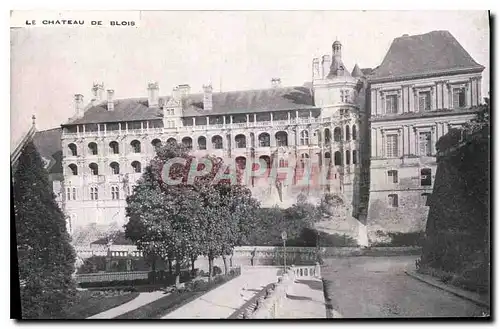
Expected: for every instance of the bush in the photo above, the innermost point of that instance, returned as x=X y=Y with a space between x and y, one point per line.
x=216 y=270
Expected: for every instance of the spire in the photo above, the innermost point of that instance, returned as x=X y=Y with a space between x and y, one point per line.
x=356 y=71
x=337 y=68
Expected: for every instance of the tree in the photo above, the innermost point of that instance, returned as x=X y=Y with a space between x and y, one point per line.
x=45 y=256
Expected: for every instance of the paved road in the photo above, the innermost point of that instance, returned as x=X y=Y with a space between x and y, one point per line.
x=374 y=287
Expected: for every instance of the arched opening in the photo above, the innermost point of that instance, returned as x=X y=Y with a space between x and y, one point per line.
x=337 y=158
x=264 y=140
x=171 y=141
x=354 y=133
x=241 y=141
x=281 y=138
x=347 y=133
x=354 y=157
x=92 y=148
x=217 y=142
x=94 y=169
x=393 y=200
x=328 y=158
x=337 y=134
x=347 y=157
x=73 y=149
x=74 y=169
x=114 y=147
x=187 y=142
x=136 y=146
x=241 y=162
x=136 y=166
x=265 y=161
x=304 y=137
x=94 y=193
x=304 y=157
x=328 y=135
x=156 y=143
x=202 y=143
x=317 y=133
x=115 y=168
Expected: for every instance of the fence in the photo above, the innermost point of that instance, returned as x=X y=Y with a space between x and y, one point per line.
x=115 y=276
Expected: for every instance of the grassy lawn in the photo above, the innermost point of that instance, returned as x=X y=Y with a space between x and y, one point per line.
x=88 y=303
x=171 y=302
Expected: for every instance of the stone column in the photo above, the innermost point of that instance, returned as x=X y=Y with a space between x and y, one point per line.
x=439 y=95
x=374 y=143
x=479 y=91
x=382 y=132
x=248 y=120
x=405 y=150
x=400 y=102
x=374 y=102
x=400 y=142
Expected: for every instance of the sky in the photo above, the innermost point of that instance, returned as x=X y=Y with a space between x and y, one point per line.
x=234 y=50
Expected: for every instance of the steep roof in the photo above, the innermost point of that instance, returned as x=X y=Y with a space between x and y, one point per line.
x=233 y=102
x=337 y=68
x=418 y=55
x=48 y=144
x=356 y=71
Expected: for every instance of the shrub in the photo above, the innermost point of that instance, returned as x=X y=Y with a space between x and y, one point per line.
x=217 y=270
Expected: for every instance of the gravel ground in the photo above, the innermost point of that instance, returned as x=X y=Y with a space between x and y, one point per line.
x=377 y=287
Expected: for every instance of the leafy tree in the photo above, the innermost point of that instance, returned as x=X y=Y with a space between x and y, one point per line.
x=45 y=256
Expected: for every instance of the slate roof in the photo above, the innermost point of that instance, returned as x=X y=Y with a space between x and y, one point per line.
x=356 y=71
x=233 y=102
x=417 y=55
x=48 y=144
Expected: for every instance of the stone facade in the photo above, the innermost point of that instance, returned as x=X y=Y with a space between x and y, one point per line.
x=374 y=130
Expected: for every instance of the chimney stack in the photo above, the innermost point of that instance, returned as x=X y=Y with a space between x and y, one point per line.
x=111 y=101
x=97 y=93
x=153 y=94
x=207 y=97
x=79 y=105
x=326 y=62
x=276 y=82
x=316 y=70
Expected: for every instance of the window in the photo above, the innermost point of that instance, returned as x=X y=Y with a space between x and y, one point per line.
x=303 y=160
x=170 y=112
x=281 y=138
x=393 y=200
x=171 y=141
x=391 y=104
x=458 y=97
x=283 y=163
x=354 y=157
x=337 y=134
x=136 y=165
x=347 y=133
x=391 y=146
x=392 y=175
x=426 y=177
x=187 y=142
x=344 y=96
x=156 y=143
x=72 y=149
x=74 y=169
x=94 y=193
x=115 y=168
x=304 y=137
x=70 y=193
x=136 y=146
x=115 y=193
x=241 y=141
x=202 y=143
x=264 y=140
x=354 y=133
x=92 y=148
x=328 y=135
x=94 y=169
x=425 y=143
x=114 y=147
x=217 y=142
x=347 y=157
x=424 y=101
x=337 y=158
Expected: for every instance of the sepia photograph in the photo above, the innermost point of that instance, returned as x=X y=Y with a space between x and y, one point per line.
x=250 y=165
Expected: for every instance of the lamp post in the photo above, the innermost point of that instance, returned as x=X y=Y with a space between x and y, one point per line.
x=283 y=237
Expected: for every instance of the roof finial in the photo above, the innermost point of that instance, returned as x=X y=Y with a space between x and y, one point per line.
x=33 y=120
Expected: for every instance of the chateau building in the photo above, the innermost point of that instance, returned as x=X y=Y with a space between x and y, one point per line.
x=372 y=131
